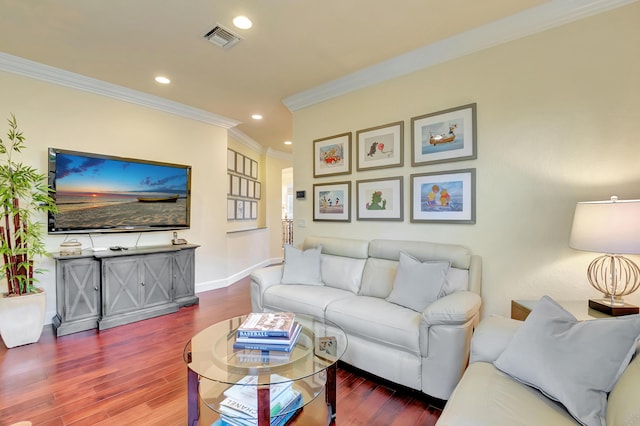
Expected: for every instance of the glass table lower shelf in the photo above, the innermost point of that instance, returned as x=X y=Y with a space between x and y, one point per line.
x=272 y=386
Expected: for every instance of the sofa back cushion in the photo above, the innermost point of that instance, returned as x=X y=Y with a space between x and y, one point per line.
x=342 y=261
x=380 y=270
x=342 y=272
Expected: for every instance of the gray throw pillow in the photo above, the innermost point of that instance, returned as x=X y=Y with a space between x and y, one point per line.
x=573 y=362
x=301 y=267
x=417 y=284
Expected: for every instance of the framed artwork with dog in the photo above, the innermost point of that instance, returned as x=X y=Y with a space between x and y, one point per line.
x=380 y=147
x=443 y=136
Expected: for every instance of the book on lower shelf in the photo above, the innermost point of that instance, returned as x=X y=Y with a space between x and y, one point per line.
x=268 y=324
x=240 y=405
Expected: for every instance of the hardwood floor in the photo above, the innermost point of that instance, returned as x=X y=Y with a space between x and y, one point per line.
x=134 y=374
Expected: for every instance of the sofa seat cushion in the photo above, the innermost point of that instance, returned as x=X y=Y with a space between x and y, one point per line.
x=377 y=320
x=303 y=299
x=485 y=396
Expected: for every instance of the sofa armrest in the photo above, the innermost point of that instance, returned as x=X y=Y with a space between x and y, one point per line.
x=261 y=280
x=491 y=337
x=453 y=309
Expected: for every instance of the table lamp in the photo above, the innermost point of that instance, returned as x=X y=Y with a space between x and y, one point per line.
x=611 y=227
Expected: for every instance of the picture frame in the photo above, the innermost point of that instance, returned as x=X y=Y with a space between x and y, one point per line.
x=254 y=210
x=380 y=147
x=239 y=210
x=239 y=163
x=243 y=187
x=231 y=160
x=332 y=155
x=250 y=188
x=247 y=209
x=231 y=209
x=332 y=202
x=380 y=199
x=444 y=197
x=254 y=169
x=235 y=185
x=443 y=136
x=247 y=166
x=257 y=190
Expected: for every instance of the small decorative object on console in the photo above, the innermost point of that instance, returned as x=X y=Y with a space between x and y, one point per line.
x=70 y=248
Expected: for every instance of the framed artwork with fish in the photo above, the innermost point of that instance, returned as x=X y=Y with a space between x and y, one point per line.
x=380 y=147
x=443 y=136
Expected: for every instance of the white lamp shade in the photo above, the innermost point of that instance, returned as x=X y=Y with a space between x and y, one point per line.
x=611 y=227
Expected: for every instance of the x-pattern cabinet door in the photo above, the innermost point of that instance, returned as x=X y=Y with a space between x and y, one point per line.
x=122 y=285
x=82 y=291
x=157 y=280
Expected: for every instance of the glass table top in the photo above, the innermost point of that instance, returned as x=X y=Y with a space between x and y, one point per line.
x=211 y=355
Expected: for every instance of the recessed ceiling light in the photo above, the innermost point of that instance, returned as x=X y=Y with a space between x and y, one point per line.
x=242 y=22
x=288 y=142
x=162 y=80
x=256 y=117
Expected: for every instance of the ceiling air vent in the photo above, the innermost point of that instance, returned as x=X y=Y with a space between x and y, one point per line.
x=222 y=37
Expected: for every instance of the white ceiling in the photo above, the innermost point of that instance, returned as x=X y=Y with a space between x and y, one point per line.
x=297 y=53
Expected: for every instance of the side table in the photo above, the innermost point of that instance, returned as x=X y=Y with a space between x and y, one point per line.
x=580 y=309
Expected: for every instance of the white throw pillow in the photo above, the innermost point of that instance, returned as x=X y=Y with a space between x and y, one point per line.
x=573 y=362
x=301 y=267
x=417 y=284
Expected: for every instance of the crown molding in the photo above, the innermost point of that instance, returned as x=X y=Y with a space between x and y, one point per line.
x=27 y=68
x=252 y=144
x=541 y=18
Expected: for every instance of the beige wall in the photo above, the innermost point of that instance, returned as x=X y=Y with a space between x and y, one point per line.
x=557 y=123
x=54 y=116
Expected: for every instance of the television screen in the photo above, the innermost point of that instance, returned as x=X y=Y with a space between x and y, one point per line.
x=102 y=193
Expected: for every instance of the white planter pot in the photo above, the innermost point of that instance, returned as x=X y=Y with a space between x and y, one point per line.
x=22 y=318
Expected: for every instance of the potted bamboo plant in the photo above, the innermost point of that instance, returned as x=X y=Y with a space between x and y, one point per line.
x=24 y=194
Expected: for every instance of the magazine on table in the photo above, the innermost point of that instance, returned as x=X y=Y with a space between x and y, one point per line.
x=234 y=413
x=246 y=389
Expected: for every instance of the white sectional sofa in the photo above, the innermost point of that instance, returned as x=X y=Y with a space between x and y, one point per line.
x=425 y=349
x=487 y=396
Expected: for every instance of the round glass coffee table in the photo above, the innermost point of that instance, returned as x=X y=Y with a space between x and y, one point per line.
x=214 y=366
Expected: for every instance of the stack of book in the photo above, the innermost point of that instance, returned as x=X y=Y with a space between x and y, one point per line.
x=240 y=405
x=270 y=331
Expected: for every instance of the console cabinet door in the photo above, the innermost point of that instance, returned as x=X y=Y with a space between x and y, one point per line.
x=184 y=277
x=122 y=285
x=157 y=279
x=78 y=295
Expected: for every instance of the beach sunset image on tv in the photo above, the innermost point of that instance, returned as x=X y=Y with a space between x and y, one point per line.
x=99 y=192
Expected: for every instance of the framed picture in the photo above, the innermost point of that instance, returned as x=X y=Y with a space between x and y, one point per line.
x=243 y=187
x=332 y=202
x=247 y=209
x=332 y=155
x=257 y=190
x=247 y=166
x=239 y=209
x=380 y=147
x=239 y=163
x=254 y=169
x=380 y=199
x=444 y=197
x=254 y=210
x=235 y=185
x=250 y=188
x=448 y=135
x=231 y=160
x=231 y=209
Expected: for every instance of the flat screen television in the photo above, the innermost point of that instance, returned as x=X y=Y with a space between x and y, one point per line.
x=104 y=193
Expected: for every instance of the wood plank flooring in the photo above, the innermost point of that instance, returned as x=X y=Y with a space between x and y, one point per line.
x=134 y=374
